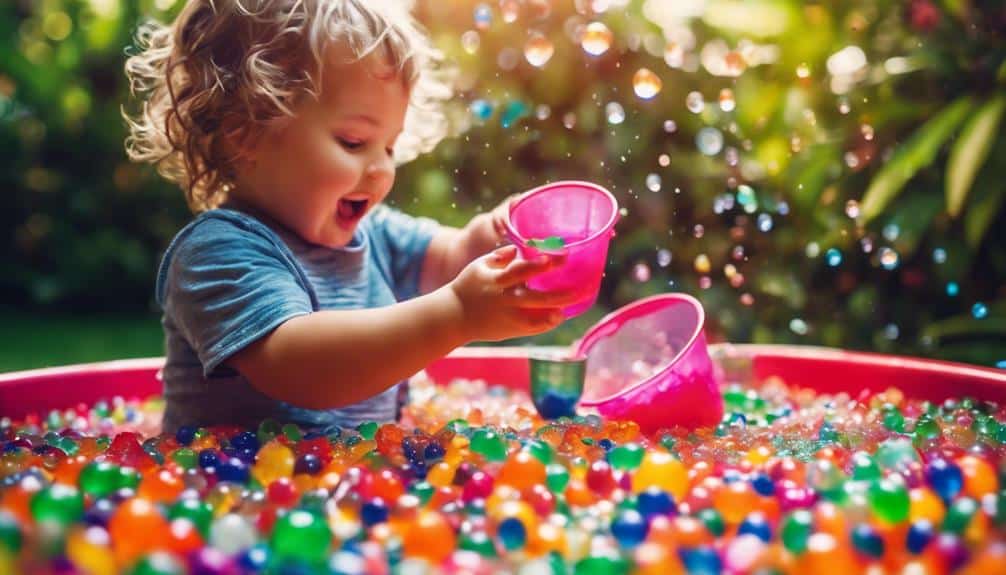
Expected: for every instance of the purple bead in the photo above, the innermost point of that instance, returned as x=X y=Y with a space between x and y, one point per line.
x=210 y=561
x=952 y=549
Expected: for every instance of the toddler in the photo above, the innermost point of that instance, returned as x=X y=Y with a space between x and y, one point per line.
x=295 y=294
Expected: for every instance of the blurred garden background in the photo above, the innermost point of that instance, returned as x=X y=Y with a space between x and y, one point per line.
x=824 y=173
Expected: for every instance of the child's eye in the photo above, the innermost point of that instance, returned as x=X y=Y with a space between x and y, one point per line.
x=350 y=144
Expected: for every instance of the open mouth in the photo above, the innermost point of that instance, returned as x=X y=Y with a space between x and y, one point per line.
x=352 y=210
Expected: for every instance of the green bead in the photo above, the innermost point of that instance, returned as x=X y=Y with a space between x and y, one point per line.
x=10 y=533
x=128 y=477
x=478 y=542
x=796 y=529
x=68 y=446
x=889 y=500
x=60 y=503
x=367 y=429
x=459 y=426
x=488 y=444
x=198 y=512
x=556 y=477
x=894 y=453
x=159 y=563
x=927 y=428
x=864 y=468
x=668 y=441
x=540 y=450
x=185 y=457
x=734 y=396
x=292 y=432
x=893 y=420
x=601 y=564
x=99 y=478
x=422 y=490
x=302 y=536
x=713 y=521
x=959 y=515
x=268 y=430
x=626 y=457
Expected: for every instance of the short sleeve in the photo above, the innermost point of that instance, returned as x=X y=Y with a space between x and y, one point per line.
x=406 y=239
x=225 y=286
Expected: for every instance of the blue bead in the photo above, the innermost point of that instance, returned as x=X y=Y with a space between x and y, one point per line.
x=867 y=541
x=701 y=561
x=245 y=439
x=655 y=501
x=373 y=512
x=919 y=535
x=629 y=528
x=246 y=454
x=756 y=525
x=308 y=463
x=233 y=470
x=732 y=476
x=434 y=450
x=185 y=434
x=763 y=484
x=512 y=533
x=606 y=444
x=208 y=458
x=254 y=558
x=945 y=477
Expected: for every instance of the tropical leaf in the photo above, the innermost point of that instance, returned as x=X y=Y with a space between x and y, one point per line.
x=985 y=205
x=970 y=152
x=915 y=154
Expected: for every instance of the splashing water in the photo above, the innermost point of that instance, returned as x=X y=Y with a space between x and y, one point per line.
x=538 y=50
x=646 y=84
x=596 y=39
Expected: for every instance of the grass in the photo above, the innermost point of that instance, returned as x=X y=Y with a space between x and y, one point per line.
x=38 y=340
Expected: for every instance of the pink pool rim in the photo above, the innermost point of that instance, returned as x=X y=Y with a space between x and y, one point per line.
x=824 y=370
x=669 y=395
x=568 y=209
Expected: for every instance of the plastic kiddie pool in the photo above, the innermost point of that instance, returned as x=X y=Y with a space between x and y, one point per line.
x=822 y=369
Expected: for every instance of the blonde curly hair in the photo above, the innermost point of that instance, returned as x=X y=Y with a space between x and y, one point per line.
x=224 y=70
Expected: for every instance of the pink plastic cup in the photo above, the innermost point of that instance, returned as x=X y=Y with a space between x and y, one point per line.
x=584 y=216
x=648 y=362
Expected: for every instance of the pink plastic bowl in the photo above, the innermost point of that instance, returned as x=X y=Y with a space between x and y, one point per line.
x=648 y=362
x=584 y=216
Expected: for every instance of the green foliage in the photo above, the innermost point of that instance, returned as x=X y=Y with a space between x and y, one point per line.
x=867 y=137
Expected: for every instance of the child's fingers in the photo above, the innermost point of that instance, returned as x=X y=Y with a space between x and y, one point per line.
x=501 y=257
x=523 y=297
x=520 y=270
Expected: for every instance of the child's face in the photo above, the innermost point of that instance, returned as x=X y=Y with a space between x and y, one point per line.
x=320 y=172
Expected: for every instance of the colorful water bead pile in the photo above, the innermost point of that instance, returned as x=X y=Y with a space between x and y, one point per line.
x=790 y=482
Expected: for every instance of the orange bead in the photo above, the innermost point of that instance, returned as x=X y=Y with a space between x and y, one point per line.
x=160 y=486
x=17 y=500
x=690 y=532
x=430 y=537
x=992 y=559
x=925 y=504
x=136 y=528
x=441 y=474
x=68 y=470
x=831 y=520
x=546 y=539
x=655 y=559
x=578 y=494
x=183 y=537
x=734 y=501
x=522 y=470
x=979 y=477
x=387 y=486
x=826 y=555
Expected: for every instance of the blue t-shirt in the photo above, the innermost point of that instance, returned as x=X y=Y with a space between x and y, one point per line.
x=231 y=276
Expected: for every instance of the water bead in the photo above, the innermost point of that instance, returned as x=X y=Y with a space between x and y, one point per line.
x=614 y=112
x=867 y=541
x=198 y=512
x=159 y=563
x=920 y=533
x=713 y=521
x=756 y=524
x=889 y=500
x=512 y=533
x=796 y=530
x=695 y=102
x=483 y=15
x=302 y=536
x=59 y=503
x=629 y=528
x=945 y=478
x=489 y=444
x=709 y=141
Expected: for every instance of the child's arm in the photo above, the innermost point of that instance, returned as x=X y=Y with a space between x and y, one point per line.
x=333 y=358
x=451 y=249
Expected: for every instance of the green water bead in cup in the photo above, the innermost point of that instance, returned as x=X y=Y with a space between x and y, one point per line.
x=556 y=477
x=10 y=533
x=796 y=530
x=199 y=512
x=159 y=563
x=549 y=243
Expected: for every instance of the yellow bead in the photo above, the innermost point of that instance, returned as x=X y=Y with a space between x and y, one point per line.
x=273 y=461
x=663 y=470
x=89 y=551
x=441 y=474
x=925 y=504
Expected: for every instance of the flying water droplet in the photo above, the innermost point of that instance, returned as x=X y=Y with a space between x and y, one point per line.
x=833 y=257
x=470 y=41
x=510 y=10
x=596 y=39
x=979 y=310
x=646 y=84
x=615 y=113
x=702 y=264
x=727 y=102
x=852 y=209
x=889 y=258
x=653 y=182
x=765 y=223
x=641 y=272
x=670 y=126
x=483 y=16
x=514 y=111
x=664 y=258
x=695 y=103
x=538 y=50
x=798 y=326
x=664 y=160
x=709 y=141
x=481 y=109
x=939 y=255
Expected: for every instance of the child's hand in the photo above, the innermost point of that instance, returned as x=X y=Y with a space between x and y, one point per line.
x=495 y=302
x=499 y=217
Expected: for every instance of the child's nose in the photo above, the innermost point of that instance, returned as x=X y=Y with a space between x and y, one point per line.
x=382 y=167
